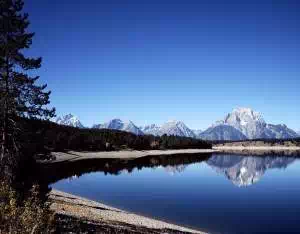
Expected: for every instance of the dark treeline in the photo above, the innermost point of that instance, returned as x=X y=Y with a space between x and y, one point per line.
x=44 y=136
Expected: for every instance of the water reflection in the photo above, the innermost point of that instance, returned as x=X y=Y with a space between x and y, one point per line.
x=240 y=169
x=193 y=190
x=245 y=171
x=172 y=170
x=172 y=163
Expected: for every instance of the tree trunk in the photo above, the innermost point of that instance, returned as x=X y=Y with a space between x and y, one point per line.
x=4 y=133
x=5 y=114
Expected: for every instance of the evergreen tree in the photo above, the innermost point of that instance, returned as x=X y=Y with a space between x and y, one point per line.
x=20 y=96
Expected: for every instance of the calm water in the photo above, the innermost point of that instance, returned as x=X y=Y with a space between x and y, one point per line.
x=215 y=193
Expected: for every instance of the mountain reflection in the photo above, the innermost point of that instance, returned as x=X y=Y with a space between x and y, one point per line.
x=175 y=169
x=246 y=170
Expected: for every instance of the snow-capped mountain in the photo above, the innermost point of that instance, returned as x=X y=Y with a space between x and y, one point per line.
x=222 y=132
x=253 y=126
x=173 y=127
x=69 y=120
x=249 y=122
x=118 y=124
x=176 y=128
x=151 y=129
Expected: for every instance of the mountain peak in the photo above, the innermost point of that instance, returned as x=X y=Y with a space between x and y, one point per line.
x=252 y=124
x=177 y=128
x=247 y=113
x=171 y=127
x=69 y=120
x=118 y=124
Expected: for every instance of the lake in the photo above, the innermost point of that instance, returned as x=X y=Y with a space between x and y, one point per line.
x=218 y=193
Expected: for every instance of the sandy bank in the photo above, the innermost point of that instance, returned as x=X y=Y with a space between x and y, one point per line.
x=77 y=207
x=257 y=148
x=126 y=154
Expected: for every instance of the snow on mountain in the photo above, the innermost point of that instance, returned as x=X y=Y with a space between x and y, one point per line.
x=69 y=120
x=151 y=129
x=280 y=131
x=118 y=124
x=176 y=128
x=173 y=127
x=253 y=125
x=249 y=122
x=222 y=132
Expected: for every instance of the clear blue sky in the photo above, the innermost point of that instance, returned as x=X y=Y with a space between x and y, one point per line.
x=151 y=61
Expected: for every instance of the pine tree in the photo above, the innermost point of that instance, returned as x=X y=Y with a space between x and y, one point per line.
x=20 y=96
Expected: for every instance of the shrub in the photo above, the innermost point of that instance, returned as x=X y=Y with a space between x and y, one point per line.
x=26 y=215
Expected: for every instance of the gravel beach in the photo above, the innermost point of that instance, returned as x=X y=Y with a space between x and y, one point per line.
x=99 y=214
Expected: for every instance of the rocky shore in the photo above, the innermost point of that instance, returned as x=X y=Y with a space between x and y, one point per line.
x=76 y=214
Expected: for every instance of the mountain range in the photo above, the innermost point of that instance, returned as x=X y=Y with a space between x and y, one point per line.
x=240 y=124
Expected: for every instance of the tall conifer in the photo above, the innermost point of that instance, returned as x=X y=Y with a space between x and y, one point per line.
x=20 y=95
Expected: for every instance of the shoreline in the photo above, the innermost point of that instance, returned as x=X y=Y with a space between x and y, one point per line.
x=71 y=156
x=287 y=151
x=97 y=213
x=255 y=148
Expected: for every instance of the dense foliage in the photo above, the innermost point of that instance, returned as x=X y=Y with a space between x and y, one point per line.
x=45 y=135
x=24 y=214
